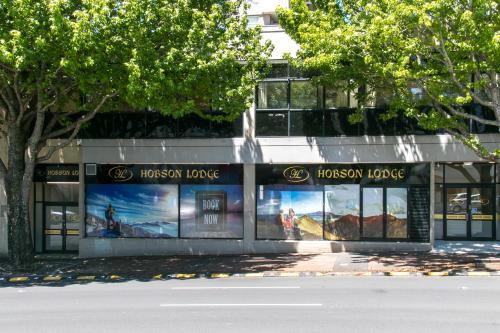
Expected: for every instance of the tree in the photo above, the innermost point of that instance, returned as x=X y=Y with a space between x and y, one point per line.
x=439 y=60
x=62 y=61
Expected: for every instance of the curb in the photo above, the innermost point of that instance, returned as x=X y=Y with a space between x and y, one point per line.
x=65 y=279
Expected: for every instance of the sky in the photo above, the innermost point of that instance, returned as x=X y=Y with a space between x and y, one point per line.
x=134 y=203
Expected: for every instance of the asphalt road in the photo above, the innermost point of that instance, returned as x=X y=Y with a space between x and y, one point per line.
x=329 y=304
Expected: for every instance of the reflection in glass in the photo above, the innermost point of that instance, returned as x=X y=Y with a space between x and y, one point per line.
x=53 y=228
x=272 y=95
x=289 y=212
x=304 y=95
x=475 y=173
x=61 y=192
x=456 y=216
x=397 y=213
x=373 y=213
x=481 y=208
x=342 y=212
x=336 y=98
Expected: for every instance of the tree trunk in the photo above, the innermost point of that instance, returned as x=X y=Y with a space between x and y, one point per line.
x=18 y=186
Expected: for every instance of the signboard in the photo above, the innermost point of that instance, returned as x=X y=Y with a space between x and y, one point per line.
x=329 y=174
x=56 y=173
x=210 y=210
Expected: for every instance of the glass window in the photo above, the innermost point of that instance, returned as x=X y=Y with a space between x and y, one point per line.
x=211 y=211
x=306 y=123
x=336 y=98
x=289 y=212
x=61 y=192
x=342 y=212
x=304 y=95
x=272 y=95
x=397 y=213
x=271 y=123
x=373 y=212
x=474 y=173
x=278 y=71
x=438 y=173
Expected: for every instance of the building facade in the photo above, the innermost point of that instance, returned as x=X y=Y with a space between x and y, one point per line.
x=291 y=175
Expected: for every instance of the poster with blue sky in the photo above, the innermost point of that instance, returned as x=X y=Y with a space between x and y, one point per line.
x=211 y=211
x=132 y=210
x=290 y=212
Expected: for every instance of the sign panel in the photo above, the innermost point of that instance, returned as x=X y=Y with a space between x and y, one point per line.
x=56 y=173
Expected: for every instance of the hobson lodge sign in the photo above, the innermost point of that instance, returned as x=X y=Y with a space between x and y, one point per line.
x=166 y=174
x=318 y=174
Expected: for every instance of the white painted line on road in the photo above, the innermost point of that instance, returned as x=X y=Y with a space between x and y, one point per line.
x=242 y=305
x=216 y=287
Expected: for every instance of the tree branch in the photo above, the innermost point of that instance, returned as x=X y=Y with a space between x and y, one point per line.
x=74 y=128
x=451 y=70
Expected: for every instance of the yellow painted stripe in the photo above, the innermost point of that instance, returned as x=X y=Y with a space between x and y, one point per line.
x=478 y=273
x=366 y=274
x=52 y=278
x=482 y=217
x=437 y=273
x=455 y=216
x=185 y=276
x=115 y=277
x=399 y=273
x=290 y=274
x=19 y=279
x=157 y=277
x=219 y=275
x=52 y=231
x=86 y=277
x=438 y=216
x=73 y=232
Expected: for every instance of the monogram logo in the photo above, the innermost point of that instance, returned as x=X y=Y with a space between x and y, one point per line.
x=296 y=174
x=120 y=173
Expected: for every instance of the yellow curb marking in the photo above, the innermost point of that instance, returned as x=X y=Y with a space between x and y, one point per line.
x=185 y=276
x=86 y=277
x=157 y=277
x=52 y=278
x=437 y=273
x=289 y=274
x=115 y=277
x=366 y=274
x=399 y=273
x=219 y=275
x=478 y=273
x=19 y=279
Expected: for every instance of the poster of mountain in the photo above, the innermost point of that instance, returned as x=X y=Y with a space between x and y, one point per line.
x=132 y=210
x=289 y=212
x=342 y=212
x=211 y=211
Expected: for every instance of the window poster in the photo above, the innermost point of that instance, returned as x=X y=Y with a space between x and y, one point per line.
x=342 y=212
x=164 y=200
x=211 y=211
x=132 y=210
x=290 y=212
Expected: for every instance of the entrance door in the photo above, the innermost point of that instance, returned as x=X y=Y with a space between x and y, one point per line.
x=61 y=228
x=469 y=212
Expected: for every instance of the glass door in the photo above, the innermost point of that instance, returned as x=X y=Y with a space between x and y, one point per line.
x=469 y=212
x=456 y=212
x=53 y=229
x=481 y=212
x=61 y=228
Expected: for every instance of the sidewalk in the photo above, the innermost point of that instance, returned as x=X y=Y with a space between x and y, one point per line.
x=440 y=262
